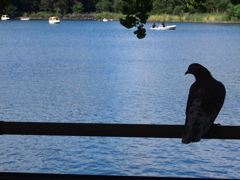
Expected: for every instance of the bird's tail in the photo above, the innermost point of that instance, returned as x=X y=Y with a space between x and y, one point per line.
x=192 y=133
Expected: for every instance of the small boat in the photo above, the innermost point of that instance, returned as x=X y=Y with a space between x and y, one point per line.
x=54 y=20
x=5 y=17
x=173 y=27
x=24 y=18
x=105 y=20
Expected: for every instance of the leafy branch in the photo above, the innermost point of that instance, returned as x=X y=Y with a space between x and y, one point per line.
x=136 y=12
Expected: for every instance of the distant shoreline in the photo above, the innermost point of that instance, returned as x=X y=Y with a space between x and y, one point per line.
x=185 y=17
x=152 y=18
x=223 y=22
x=197 y=18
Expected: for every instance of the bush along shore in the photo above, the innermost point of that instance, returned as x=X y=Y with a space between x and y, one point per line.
x=85 y=16
x=205 y=17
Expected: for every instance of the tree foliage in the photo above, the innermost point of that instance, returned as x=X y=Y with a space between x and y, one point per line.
x=167 y=6
x=4 y=3
x=10 y=10
x=118 y=6
x=178 y=10
x=47 y=5
x=136 y=12
x=234 y=12
x=104 y=6
x=77 y=7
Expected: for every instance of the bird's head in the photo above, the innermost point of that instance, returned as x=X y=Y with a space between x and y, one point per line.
x=198 y=71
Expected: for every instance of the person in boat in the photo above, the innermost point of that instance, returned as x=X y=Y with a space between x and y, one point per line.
x=162 y=25
x=154 y=25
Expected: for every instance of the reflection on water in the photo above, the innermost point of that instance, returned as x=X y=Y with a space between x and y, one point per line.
x=75 y=72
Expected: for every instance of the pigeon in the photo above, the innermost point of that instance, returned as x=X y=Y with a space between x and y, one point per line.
x=205 y=100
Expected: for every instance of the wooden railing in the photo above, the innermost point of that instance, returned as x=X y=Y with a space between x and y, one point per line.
x=110 y=130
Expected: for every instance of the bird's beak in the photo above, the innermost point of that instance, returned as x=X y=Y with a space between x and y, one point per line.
x=187 y=72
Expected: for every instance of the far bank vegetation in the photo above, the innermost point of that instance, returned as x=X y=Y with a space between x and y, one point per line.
x=163 y=10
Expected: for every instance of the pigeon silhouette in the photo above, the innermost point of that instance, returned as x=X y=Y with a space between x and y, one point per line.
x=205 y=100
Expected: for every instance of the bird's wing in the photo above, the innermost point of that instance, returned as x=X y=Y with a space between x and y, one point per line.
x=197 y=122
x=203 y=106
x=213 y=98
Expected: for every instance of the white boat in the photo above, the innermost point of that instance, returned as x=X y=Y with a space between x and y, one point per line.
x=5 y=17
x=54 y=20
x=105 y=20
x=173 y=27
x=24 y=18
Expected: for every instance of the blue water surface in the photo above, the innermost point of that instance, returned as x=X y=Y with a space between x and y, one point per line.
x=99 y=72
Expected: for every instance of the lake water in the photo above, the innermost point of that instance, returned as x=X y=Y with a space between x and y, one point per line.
x=99 y=72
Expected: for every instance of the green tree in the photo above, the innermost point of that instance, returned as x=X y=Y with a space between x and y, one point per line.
x=26 y=5
x=223 y=5
x=234 y=12
x=195 y=4
x=47 y=5
x=89 y=6
x=237 y=11
x=178 y=10
x=55 y=6
x=162 y=7
x=10 y=10
x=103 y=5
x=118 y=6
x=77 y=7
x=4 y=3
x=191 y=10
x=210 y=5
x=167 y=6
x=61 y=6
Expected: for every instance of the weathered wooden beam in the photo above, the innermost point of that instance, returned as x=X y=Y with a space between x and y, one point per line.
x=111 y=130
